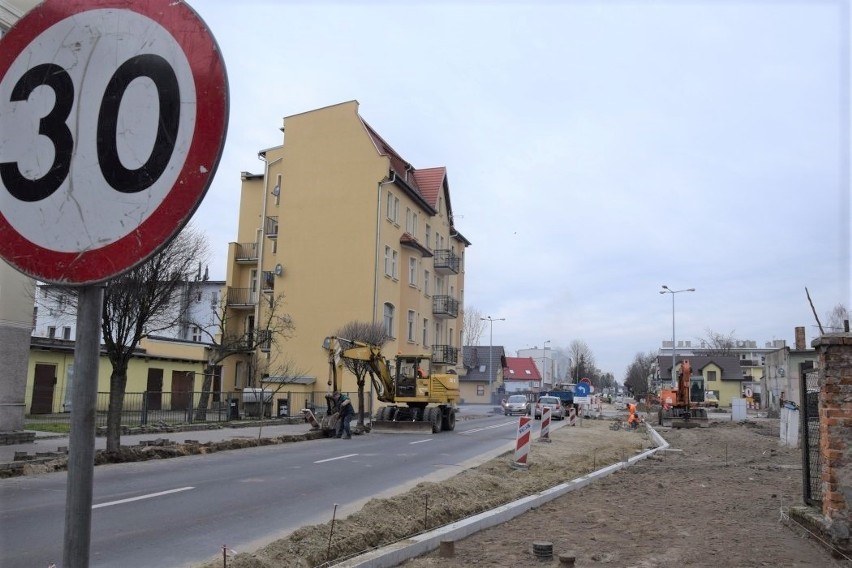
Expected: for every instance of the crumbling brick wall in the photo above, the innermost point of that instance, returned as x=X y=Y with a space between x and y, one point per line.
x=835 y=362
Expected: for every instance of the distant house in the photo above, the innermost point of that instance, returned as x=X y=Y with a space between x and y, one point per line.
x=521 y=375
x=718 y=373
x=479 y=376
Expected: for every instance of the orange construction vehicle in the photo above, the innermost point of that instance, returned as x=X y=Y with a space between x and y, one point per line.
x=677 y=411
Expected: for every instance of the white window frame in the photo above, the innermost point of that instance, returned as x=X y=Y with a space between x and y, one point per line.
x=412 y=272
x=388 y=265
x=388 y=319
x=428 y=236
x=426 y=276
x=412 y=322
x=425 y=332
x=395 y=264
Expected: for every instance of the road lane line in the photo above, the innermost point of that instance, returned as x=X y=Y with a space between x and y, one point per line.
x=149 y=496
x=337 y=458
x=475 y=430
x=420 y=441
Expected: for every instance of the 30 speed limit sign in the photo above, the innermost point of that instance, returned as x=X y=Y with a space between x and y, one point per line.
x=112 y=122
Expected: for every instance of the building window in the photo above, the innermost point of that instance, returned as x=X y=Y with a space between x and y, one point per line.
x=411 y=325
x=51 y=332
x=389 y=331
x=428 y=236
x=711 y=376
x=393 y=208
x=276 y=191
x=426 y=282
x=66 y=332
x=238 y=375
x=198 y=296
x=196 y=333
x=480 y=390
x=394 y=264
x=408 y=215
x=425 y=332
x=412 y=271
x=388 y=270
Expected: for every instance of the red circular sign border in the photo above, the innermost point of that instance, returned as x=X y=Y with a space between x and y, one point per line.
x=209 y=77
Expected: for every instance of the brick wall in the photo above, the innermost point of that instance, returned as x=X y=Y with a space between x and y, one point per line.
x=835 y=360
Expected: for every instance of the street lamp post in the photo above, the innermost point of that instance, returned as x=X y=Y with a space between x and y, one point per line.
x=491 y=321
x=544 y=363
x=667 y=290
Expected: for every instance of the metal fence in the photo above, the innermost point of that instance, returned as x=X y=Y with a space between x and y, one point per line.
x=809 y=415
x=173 y=408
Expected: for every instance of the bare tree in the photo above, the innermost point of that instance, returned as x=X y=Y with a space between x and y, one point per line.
x=371 y=333
x=473 y=327
x=837 y=319
x=273 y=329
x=141 y=302
x=718 y=343
x=582 y=360
x=638 y=371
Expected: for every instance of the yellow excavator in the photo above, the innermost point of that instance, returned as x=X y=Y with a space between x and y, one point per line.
x=418 y=400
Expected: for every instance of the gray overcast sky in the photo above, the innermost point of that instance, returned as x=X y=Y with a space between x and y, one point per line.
x=595 y=151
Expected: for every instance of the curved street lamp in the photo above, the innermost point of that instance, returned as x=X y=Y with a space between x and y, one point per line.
x=667 y=290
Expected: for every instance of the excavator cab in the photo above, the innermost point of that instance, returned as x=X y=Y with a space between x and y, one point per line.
x=410 y=370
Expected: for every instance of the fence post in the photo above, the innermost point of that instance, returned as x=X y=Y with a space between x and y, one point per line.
x=144 y=419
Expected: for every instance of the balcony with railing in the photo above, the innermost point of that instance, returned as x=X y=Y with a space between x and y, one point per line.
x=445 y=354
x=270 y=228
x=445 y=307
x=245 y=253
x=241 y=298
x=446 y=262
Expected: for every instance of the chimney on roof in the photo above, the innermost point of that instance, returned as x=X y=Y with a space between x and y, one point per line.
x=800 y=338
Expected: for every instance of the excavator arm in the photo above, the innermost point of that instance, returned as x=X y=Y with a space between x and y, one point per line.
x=378 y=367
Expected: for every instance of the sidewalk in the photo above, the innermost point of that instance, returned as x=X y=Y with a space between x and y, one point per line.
x=48 y=442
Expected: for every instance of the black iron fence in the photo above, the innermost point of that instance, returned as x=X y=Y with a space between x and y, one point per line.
x=809 y=415
x=172 y=408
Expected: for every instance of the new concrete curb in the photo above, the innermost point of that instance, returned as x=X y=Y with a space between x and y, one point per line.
x=399 y=552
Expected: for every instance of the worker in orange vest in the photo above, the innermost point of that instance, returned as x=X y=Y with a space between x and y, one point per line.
x=632 y=419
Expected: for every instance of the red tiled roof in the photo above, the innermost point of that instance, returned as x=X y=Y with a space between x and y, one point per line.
x=521 y=369
x=431 y=183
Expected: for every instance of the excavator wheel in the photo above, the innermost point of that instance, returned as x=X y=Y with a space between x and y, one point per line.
x=433 y=415
x=448 y=419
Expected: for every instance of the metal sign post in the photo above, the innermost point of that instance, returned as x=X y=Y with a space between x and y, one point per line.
x=112 y=122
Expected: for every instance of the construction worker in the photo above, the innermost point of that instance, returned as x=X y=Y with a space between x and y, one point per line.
x=632 y=420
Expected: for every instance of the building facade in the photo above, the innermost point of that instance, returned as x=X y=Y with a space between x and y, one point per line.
x=339 y=228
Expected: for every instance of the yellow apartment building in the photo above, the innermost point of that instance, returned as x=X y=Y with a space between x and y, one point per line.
x=344 y=229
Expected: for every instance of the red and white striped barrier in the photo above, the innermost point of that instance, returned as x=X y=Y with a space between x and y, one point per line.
x=544 y=434
x=572 y=416
x=522 y=448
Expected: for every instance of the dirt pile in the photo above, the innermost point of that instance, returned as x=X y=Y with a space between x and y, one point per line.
x=572 y=453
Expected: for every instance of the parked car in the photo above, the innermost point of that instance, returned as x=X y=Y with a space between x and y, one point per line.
x=557 y=411
x=710 y=399
x=516 y=404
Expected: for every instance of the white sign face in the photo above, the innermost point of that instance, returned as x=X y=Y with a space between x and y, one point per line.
x=74 y=86
x=112 y=122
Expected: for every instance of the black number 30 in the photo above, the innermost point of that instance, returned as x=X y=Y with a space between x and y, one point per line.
x=54 y=127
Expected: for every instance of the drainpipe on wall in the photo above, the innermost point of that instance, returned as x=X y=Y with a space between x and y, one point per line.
x=391 y=178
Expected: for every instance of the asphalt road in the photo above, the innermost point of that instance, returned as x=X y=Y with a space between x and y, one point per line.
x=180 y=512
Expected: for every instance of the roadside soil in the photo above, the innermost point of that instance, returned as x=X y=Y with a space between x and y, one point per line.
x=717 y=497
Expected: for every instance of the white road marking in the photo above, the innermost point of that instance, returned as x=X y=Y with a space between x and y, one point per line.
x=337 y=458
x=149 y=496
x=474 y=430
x=420 y=441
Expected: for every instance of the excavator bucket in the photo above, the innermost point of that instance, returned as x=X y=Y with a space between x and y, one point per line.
x=689 y=418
